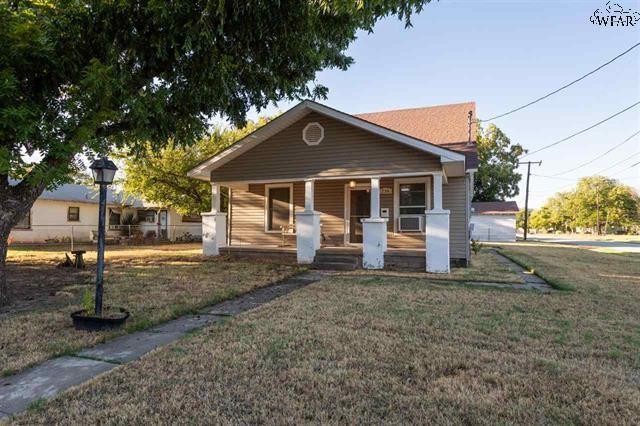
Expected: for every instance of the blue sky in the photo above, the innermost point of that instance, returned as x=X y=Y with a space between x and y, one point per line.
x=503 y=54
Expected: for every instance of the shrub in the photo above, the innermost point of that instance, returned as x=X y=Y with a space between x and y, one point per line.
x=476 y=246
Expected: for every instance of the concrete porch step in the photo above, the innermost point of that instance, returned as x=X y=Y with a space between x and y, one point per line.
x=335 y=266
x=336 y=258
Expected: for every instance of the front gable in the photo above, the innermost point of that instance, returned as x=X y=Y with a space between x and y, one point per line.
x=452 y=162
x=342 y=150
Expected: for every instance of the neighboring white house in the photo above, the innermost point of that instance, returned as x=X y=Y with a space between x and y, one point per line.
x=71 y=213
x=493 y=221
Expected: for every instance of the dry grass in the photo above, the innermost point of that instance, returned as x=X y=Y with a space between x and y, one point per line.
x=154 y=283
x=400 y=351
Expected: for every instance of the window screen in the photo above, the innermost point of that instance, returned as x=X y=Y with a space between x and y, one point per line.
x=412 y=198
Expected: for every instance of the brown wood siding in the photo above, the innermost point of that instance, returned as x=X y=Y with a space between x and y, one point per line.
x=454 y=198
x=329 y=201
x=247 y=219
x=345 y=150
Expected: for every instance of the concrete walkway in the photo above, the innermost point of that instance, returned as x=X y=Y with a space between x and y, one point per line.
x=632 y=246
x=57 y=375
x=531 y=280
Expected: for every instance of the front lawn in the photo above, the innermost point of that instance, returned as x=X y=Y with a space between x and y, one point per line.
x=373 y=349
x=155 y=283
x=484 y=267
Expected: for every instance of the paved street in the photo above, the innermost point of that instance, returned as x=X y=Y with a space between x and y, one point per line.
x=632 y=246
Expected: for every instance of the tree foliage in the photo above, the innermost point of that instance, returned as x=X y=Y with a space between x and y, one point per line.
x=161 y=177
x=597 y=203
x=497 y=178
x=89 y=76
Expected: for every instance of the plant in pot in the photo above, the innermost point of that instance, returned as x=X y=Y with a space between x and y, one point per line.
x=93 y=317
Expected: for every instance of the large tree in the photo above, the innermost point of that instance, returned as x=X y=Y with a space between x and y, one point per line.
x=160 y=177
x=596 y=202
x=497 y=177
x=87 y=76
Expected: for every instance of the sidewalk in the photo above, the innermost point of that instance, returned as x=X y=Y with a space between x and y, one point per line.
x=59 y=374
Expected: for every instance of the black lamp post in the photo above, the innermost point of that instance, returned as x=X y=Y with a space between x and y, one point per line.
x=104 y=170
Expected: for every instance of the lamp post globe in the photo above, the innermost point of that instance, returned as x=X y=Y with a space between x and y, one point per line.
x=104 y=171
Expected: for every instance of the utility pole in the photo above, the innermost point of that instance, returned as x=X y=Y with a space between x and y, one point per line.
x=597 y=209
x=526 y=196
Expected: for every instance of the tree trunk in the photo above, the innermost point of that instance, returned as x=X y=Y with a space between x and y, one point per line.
x=15 y=202
x=4 y=290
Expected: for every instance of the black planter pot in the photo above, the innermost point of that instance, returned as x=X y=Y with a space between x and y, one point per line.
x=82 y=321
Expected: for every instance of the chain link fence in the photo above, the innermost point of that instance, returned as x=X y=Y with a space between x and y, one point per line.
x=140 y=234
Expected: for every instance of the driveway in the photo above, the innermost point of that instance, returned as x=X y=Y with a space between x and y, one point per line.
x=617 y=246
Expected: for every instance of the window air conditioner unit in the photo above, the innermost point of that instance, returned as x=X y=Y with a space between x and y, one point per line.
x=410 y=223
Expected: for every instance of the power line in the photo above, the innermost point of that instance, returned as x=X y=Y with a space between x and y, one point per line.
x=619 y=162
x=563 y=87
x=553 y=177
x=580 y=132
x=624 y=170
x=599 y=156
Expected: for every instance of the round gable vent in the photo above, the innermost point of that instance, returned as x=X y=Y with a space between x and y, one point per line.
x=313 y=133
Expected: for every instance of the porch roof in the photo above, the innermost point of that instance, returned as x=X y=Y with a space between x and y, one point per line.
x=453 y=162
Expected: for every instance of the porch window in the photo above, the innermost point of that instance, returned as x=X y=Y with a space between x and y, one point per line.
x=411 y=202
x=278 y=207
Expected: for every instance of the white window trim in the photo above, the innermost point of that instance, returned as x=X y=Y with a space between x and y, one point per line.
x=267 y=188
x=396 y=200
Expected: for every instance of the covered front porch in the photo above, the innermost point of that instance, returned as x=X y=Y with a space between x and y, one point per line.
x=374 y=222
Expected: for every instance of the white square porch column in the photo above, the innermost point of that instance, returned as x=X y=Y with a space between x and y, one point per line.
x=374 y=230
x=307 y=226
x=214 y=225
x=437 y=232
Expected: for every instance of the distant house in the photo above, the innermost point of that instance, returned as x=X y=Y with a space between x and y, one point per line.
x=71 y=212
x=494 y=221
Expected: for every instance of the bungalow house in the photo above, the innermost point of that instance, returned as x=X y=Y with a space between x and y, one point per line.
x=382 y=187
x=70 y=212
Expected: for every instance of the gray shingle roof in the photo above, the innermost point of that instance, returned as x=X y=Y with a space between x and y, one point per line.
x=87 y=194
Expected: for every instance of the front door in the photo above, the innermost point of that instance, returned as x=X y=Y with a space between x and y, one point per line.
x=359 y=208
